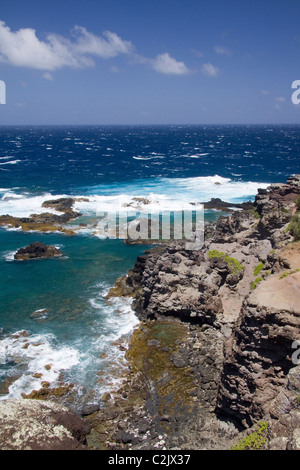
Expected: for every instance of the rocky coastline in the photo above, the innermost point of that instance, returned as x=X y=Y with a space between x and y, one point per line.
x=213 y=364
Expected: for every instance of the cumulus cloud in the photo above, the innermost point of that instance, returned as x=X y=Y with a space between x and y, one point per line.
x=167 y=65
x=210 y=70
x=108 y=46
x=23 y=48
x=163 y=63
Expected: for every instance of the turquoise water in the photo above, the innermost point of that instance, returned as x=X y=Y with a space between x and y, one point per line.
x=55 y=320
x=61 y=304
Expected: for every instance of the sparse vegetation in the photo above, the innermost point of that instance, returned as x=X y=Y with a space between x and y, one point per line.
x=254 y=213
x=233 y=264
x=256 y=440
x=295 y=227
x=256 y=282
x=297 y=202
x=258 y=268
x=287 y=273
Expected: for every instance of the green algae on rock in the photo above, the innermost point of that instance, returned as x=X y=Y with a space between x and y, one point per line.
x=154 y=354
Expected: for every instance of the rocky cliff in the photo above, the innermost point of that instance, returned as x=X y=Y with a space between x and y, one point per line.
x=215 y=355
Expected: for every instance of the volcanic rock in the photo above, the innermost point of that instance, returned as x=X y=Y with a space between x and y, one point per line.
x=40 y=425
x=37 y=250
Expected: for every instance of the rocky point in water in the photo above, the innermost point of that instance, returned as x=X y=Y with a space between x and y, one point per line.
x=37 y=250
x=46 y=221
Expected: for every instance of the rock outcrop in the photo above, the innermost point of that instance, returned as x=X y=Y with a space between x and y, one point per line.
x=37 y=250
x=40 y=425
x=45 y=221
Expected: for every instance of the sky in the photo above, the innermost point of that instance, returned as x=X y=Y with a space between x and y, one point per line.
x=145 y=62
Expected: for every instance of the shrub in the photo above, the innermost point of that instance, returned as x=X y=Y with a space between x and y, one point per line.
x=254 y=213
x=233 y=264
x=258 y=268
x=297 y=202
x=295 y=227
x=255 y=441
x=255 y=282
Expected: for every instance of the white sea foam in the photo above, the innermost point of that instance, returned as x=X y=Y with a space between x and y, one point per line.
x=35 y=352
x=148 y=196
x=23 y=205
x=9 y=255
x=105 y=356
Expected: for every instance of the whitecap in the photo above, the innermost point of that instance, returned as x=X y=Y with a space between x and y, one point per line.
x=12 y=162
x=24 y=204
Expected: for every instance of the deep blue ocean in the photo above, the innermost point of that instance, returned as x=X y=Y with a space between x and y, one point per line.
x=55 y=321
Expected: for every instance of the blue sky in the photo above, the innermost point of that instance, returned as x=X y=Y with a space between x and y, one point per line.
x=149 y=62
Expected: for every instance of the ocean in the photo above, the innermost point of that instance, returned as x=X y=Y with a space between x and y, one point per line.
x=56 y=324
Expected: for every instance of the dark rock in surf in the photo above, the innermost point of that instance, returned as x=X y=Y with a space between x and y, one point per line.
x=37 y=250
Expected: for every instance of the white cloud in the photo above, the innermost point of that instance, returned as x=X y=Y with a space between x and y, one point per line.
x=109 y=46
x=280 y=99
x=210 y=70
x=166 y=64
x=23 y=48
x=222 y=50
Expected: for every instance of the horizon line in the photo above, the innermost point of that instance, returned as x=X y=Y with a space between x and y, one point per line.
x=153 y=124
